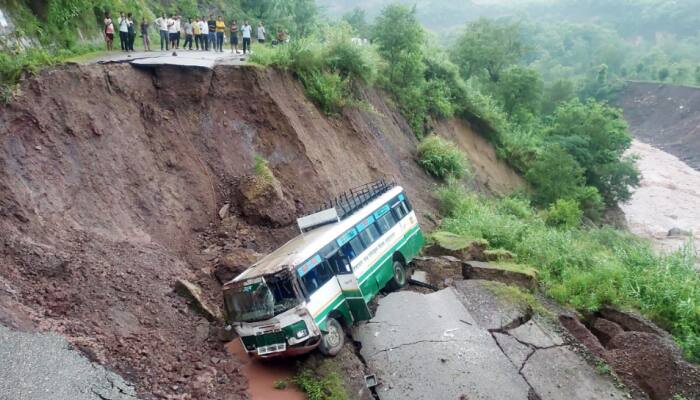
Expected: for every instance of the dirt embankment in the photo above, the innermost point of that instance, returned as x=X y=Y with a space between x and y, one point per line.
x=111 y=179
x=665 y=116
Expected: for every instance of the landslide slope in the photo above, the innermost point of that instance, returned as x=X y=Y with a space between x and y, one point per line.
x=665 y=116
x=111 y=179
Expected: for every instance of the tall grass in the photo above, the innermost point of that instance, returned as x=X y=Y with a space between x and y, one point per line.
x=441 y=158
x=325 y=65
x=587 y=268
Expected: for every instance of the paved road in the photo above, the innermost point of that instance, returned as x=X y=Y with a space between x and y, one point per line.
x=38 y=366
x=461 y=343
x=190 y=58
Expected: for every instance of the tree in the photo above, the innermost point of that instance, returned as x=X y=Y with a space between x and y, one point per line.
x=559 y=92
x=399 y=38
x=487 y=45
x=520 y=90
x=357 y=18
x=596 y=136
x=555 y=174
x=663 y=74
x=697 y=75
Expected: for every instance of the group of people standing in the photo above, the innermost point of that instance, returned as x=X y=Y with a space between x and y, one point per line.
x=204 y=34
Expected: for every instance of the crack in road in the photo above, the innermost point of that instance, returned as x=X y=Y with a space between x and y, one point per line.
x=413 y=343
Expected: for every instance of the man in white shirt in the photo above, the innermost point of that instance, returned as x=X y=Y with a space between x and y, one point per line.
x=204 y=27
x=246 y=30
x=162 y=24
x=177 y=32
x=172 y=31
x=123 y=31
x=261 y=32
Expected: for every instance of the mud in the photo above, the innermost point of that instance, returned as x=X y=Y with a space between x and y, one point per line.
x=642 y=355
x=667 y=198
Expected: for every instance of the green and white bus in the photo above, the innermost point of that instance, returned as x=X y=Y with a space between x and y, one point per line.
x=302 y=295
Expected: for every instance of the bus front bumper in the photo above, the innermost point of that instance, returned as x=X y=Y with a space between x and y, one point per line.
x=289 y=351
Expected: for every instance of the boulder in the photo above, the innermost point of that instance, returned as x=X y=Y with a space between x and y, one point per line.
x=235 y=262
x=223 y=212
x=450 y=244
x=198 y=302
x=510 y=274
x=679 y=232
x=263 y=201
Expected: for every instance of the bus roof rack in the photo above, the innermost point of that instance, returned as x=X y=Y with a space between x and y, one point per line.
x=348 y=202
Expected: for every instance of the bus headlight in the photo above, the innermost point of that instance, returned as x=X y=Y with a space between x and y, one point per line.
x=302 y=333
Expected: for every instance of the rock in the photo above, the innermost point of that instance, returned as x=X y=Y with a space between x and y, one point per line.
x=194 y=293
x=498 y=255
x=450 y=244
x=679 y=232
x=263 y=201
x=235 y=262
x=223 y=212
x=605 y=330
x=524 y=277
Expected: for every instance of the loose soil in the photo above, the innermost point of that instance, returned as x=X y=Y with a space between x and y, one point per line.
x=111 y=182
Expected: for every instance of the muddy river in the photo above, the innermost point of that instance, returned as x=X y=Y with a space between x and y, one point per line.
x=668 y=197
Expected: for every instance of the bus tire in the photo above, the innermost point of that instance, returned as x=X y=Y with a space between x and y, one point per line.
x=398 y=279
x=332 y=341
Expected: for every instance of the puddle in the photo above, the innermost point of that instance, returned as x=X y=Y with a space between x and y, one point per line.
x=262 y=375
x=668 y=197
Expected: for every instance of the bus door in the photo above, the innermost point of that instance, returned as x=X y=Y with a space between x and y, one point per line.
x=350 y=287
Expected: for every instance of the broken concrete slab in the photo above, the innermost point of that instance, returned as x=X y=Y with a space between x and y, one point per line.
x=194 y=293
x=439 y=270
x=490 y=311
x=515 y=351
x=560 y=373
x=462 y=247
x=424 y=346
x=507 y=273
x=534 y=334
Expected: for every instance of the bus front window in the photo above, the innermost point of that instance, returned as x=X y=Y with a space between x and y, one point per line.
x=260 y=300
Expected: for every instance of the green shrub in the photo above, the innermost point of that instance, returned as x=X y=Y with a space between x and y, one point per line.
x=262 y=169
x=326 y=385
x=441 y=158
x=328 y=90
x=563 y=213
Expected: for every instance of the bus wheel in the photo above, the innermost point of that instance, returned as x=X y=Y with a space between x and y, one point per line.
x=333 y=340
x=398 y=280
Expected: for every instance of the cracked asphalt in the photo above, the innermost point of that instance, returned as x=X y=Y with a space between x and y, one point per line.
x=463 y=342
x=41 y=366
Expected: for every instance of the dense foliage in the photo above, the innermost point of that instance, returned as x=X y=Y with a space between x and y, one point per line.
x=585 y=268
x=441 y=158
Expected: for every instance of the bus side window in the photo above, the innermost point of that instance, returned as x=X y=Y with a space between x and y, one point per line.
x=386 y=222
x=399 y=210
x=369 y=235
x=353 y=248
x=408 y=205
x=339 y=264
x=317 y=277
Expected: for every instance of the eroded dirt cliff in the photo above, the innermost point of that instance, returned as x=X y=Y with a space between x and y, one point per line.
x=111 y=183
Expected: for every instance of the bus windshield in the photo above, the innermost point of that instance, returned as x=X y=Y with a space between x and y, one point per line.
x=260 y=300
